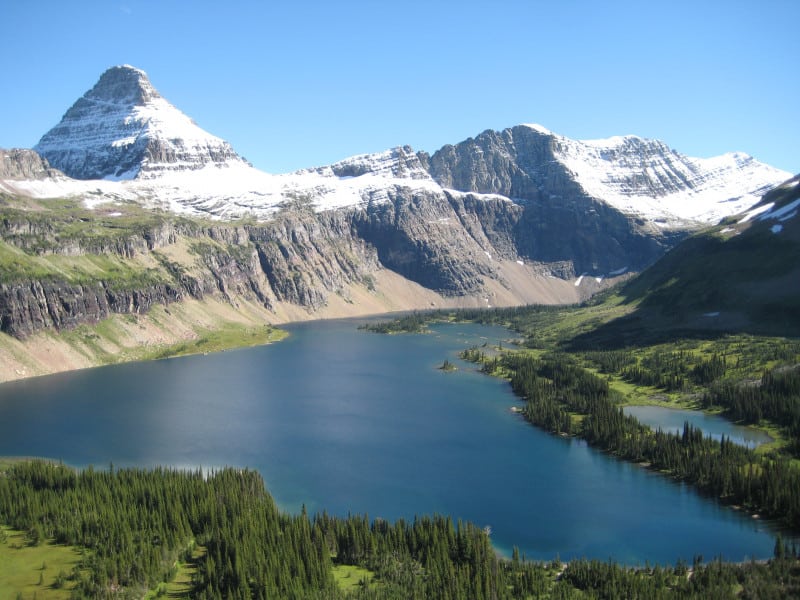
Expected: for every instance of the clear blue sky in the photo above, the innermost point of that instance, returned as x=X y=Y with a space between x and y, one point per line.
x=299 y=84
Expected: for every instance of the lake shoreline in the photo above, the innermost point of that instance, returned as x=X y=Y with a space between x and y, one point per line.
x=174 y=330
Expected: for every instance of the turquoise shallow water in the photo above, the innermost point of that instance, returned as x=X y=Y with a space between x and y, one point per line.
x=348 y=421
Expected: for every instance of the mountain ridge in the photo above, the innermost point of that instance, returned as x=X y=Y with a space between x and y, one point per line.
x=123 y=129
x=509 y=217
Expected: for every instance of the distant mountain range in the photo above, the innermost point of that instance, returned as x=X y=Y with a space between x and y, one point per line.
x=124 y=130
x=522 y=215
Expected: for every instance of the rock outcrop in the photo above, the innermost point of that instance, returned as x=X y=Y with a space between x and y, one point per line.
x=24 y=165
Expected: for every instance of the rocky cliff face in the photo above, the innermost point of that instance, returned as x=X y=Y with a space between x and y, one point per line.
x=557 y=220
x=123 y=128
x=300 y=258
x=442 y=241
x=24 y=165
x=453 y=222
x=29 y=306
x=640 y=178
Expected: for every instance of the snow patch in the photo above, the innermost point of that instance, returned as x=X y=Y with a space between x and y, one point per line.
x=521 y=263
x=579 y=280
x=489 y=256
x=776 y=228
x=783 y=213
x=538 y=128
x=755 y=212
x=618 y=271
x=482 y=196
x=711 y=314
x=648 y=179
x=124 y=176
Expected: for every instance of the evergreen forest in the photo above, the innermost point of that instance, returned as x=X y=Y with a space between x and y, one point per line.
x=137 y=529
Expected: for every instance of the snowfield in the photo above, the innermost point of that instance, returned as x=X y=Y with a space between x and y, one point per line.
x=234 y=189
x=629 y=172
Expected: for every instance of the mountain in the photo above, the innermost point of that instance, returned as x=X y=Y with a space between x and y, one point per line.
x=123 y=129
x=130 y=206
x=740 y=275
x=636 y=176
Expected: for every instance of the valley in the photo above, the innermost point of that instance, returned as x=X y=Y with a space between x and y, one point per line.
x=443 y=420
x=630 y=274
x=131 y=210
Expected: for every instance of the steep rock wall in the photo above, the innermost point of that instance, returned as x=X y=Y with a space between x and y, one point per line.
x=559 y=222
x=300 y=258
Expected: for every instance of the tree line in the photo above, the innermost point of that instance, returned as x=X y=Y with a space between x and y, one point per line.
x=775 y=397
x=557 y=390
x=134 y=524
x=413 y=323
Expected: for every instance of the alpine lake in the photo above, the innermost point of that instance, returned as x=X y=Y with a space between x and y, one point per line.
x=348 y=421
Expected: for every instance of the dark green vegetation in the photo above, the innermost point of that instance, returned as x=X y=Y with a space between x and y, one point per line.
x=60 y=240
x=572 y=390
x=413 y=323
x=742 y=275
x=137 y=528
x=136 y=525
x=773 y=398
x=447 y=366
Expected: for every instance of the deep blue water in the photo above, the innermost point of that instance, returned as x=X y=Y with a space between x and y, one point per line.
x=348 y=421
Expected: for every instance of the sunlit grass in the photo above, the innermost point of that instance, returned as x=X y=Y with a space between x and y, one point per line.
x=181 y=585
x=33 y=570
x=349 y=577
x=228 y=337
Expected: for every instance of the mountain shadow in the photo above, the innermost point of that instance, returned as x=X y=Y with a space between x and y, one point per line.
x=741 y=276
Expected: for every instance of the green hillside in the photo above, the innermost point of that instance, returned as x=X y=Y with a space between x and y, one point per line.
x=742 y=275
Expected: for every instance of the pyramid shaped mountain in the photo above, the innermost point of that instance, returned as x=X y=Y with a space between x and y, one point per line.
x=124 y=129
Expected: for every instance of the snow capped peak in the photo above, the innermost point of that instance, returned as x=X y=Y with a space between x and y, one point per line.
x=397 y=163
x=124 y=132
x=123 y=84
x=123 y=128
x=645 y=177
x=538 y=128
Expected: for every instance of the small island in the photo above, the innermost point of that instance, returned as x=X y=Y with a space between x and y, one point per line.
x=447 y=366
x=413 y=323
